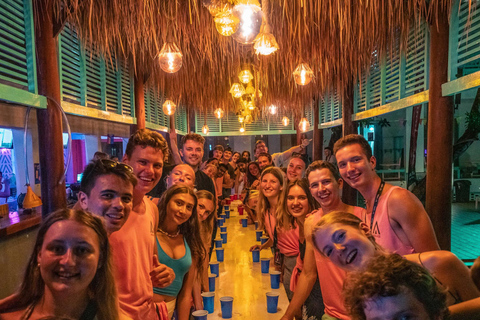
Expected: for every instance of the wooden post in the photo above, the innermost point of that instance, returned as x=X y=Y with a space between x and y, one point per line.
x=440 y=136
x=317 y=133
x=49 y=120
x=349 y=194
x=139 y=101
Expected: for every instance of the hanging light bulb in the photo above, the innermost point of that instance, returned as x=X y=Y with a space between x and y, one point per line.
x=241 y=119
x=226 y=22
x=250 y=105
x=170 y=57
x=273 y=109
x=248 y=119
x=218 y=113
x=169 y=107
x=285 y=121
x=303 y=74
x=245 y=76
x=265 y=43
x=205 y=129
x=304 y=125
x=242 y=129
x=250 y=89
x=249 y=14
x=237 y=90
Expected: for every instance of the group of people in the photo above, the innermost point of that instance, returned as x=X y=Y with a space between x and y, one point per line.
x=137 y=243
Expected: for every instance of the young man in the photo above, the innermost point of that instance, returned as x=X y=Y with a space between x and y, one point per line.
x=264 y=160
x=136 y=265
x=328 y=153
x=106 y=190
x=326 y=187
x=218 y=152
x=395 y=216
x=281 y=158
x=240 y=177
x=394 y=288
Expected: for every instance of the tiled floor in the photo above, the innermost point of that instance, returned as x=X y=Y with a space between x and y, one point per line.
x=466 y=231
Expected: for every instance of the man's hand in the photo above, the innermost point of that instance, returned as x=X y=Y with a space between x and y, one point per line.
x=305 y=142
x=161 y=275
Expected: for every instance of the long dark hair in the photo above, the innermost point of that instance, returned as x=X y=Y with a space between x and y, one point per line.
x=190 y=229
x=206 y=226
x=102 y=288
x=251 y=178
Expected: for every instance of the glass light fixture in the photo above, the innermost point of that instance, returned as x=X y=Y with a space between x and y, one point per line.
x=245 y=76
x=273 y=109
x=242 y=129
x=205 y=129
x=170 y=57
x=285 y=121
x=237 y=90
x=303 y=74
x=250 y=105
x=226 y=22
x=241 y=119
x=218 y=113
x=169 y=107
x=249 y=14
x=250 y=89
x=304 y=125
x=248 y=119
x=265 y=43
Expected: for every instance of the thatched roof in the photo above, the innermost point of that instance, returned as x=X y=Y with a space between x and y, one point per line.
x=335 y=37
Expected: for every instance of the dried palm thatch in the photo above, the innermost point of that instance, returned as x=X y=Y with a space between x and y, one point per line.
x=335 y=37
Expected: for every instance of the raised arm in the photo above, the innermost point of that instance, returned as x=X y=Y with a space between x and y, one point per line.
x=411 y=222
x=173 y=143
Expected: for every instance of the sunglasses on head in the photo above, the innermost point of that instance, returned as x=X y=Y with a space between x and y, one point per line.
x=110 y=164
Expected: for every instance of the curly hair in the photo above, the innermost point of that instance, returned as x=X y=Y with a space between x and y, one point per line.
x=102 y=288
x=286 y=219
x=353 y=139
x=390 y=275
x=190 y=229
x=263 y=203
x=321 y=164
x=147 y=138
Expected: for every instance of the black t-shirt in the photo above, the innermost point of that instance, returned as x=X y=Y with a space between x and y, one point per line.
x=204 y=182
x=161 y=186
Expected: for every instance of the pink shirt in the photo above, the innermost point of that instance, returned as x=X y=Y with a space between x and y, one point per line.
x=331 y=277
x=287 y=241
x=382 y=230
x=132 y=250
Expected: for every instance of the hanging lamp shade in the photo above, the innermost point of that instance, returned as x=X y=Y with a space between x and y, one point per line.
x=248 y=119
x=237 y=90
x=250 y=105
x=218 y=113
x=205 y=129
x=273 y=109
x=303 y=74
x=245 y=76
x=304 y=125
x=241 y=118
x=265 y=43
x=169 y=107
x=31 y=200
x=170 y=57
x=226 y=22
x=285 y=121
x=249 y=15
x=250 y=89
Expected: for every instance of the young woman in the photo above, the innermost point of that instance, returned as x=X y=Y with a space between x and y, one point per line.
x=253 y=175
x=297 y=204
x=250 y=203
x=283 y=238
x=346 y=240
x=69 y=273
x=180 y=247
x=246 y=156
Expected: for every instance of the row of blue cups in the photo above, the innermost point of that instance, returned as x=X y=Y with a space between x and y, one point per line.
x=226 y=304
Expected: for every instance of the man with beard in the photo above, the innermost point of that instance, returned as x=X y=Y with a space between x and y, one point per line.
x=241 y=176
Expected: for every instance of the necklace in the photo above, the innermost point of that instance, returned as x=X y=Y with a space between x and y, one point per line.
x=168 y=234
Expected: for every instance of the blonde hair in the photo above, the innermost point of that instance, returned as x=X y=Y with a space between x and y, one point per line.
x=263 y=203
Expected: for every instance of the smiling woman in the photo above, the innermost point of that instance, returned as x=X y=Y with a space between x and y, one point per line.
x=69 y=272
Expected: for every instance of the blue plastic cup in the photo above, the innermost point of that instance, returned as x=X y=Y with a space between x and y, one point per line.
x=211 y=282
x=256 y=255
x=275 y=279
x=272 y=302
x=226 y=208
x=226 y=304
x=209 y=301
x=223 y=216
x=223 y=235
x=223 y=229
x=220 y=254
x=244 y=223
x=256 y=225
x=214 y=268
x=218 y=243
x=265 y=264
x=263 y=239
x=227 y=213
x=200 y=314
x=259 y=234
x=220 y=222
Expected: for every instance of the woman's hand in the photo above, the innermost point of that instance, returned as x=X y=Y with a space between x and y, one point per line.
x=255 y=247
